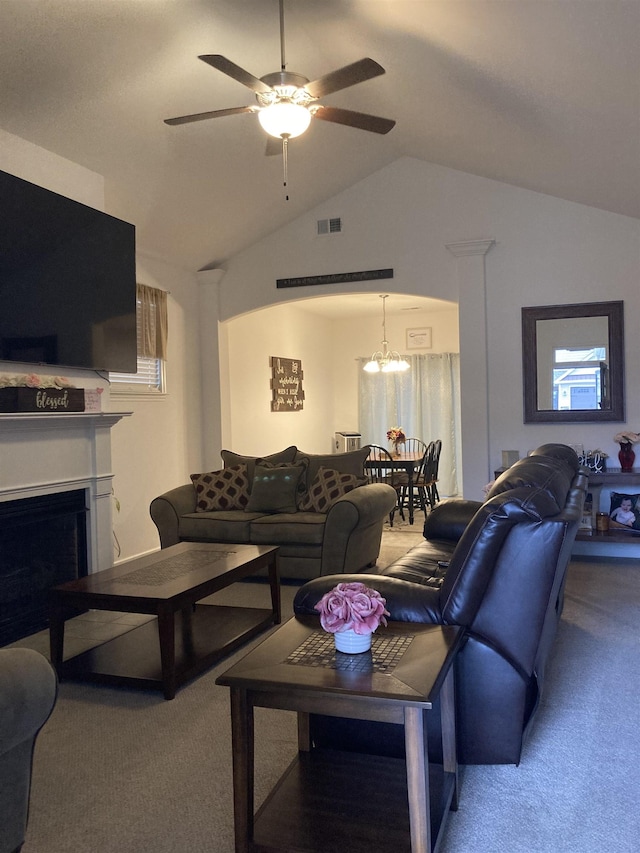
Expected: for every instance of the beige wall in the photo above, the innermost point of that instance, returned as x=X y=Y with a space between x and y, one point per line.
x=328 y=350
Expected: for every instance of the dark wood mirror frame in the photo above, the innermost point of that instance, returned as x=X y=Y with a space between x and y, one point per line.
x=614 y=312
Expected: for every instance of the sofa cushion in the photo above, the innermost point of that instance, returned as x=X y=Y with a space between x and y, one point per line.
x=219 y=526
x=230 y=458
x=227 y=489
x=300 y=528
x=346 y=463
x=326 y=488
x=275 y=488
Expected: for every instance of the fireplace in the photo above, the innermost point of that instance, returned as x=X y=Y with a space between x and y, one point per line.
x=43 y=543
x=63 y=459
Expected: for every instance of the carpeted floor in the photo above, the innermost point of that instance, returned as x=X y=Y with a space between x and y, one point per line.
x=122 y=770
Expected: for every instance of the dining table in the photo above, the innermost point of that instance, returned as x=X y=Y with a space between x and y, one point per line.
x=407 y=461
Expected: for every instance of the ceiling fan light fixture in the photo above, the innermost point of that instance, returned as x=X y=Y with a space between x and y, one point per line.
x=284 y=120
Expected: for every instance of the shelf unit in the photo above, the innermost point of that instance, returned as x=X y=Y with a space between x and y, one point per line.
x=613 y=542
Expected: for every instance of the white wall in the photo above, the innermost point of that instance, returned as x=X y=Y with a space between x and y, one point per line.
x=160 y=445
x=547 y=251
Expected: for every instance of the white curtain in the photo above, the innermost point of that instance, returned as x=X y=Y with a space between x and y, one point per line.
x=424 y=401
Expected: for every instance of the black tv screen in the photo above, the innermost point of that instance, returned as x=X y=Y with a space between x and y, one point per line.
x=67 y=281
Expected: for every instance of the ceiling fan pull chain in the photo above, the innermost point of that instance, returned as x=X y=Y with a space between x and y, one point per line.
x=285 y=165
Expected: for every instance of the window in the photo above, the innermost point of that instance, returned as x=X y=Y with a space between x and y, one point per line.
x=579 y=378
x=151 y=316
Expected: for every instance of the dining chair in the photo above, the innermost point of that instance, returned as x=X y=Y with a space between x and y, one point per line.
x=428 y=478
x=435 y=497
x=414 y=445
x=419 y=495
x=379 y=468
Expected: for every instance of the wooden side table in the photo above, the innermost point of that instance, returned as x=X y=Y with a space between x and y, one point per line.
x=377 y=803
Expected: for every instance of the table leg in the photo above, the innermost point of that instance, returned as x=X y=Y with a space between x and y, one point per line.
x=275 y=589
x=167 y=638
x=56 y=635
x=448 y=718
x=417 y=780
x=304 y=732
x=242 y=740
x=410 y=492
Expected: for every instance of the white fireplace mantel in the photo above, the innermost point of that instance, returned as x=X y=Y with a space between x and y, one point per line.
x=45 y=453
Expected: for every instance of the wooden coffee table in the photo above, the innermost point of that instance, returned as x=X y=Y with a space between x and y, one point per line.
x=329 y=798
x=185 y=638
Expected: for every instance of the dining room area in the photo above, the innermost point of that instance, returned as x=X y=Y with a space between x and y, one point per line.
x=332 y=339
x=411 y=469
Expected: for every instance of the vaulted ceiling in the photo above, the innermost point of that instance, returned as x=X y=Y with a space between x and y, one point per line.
x=541 y=94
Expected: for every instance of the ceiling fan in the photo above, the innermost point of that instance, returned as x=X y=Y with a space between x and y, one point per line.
x=286 y=102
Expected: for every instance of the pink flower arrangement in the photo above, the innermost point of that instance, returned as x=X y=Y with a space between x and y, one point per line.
x=352 y=606
x=396 y=435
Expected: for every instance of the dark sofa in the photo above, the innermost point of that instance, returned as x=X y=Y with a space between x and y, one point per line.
x=498 y=569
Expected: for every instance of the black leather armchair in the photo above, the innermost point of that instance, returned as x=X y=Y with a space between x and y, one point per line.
x=498 y=569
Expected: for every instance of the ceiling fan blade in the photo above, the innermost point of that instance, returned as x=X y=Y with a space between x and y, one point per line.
x=362 y=121
x=232 y=70
x=232 y=111
x=274 y=146
x=357 y=72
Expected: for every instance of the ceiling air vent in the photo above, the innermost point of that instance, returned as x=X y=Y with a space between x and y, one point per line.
x=329 y=226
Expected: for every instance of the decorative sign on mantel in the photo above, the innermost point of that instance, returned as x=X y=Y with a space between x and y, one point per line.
x=335 y=278
x=20 y=399
x=286 y=384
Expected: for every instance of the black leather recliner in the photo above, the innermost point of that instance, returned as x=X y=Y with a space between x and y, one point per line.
x=498 y=569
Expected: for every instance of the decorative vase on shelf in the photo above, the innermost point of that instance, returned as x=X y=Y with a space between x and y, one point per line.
x=627 y=456
x=351 y=643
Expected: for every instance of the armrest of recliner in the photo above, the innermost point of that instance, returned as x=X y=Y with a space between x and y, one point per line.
x=167 y=509
x=449 y=520
x=406 y=601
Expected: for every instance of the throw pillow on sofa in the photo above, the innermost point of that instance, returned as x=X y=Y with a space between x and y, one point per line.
x=229 y=458
x=351 y=462
x=275 y=488
x=227 y=489
x=327 y=487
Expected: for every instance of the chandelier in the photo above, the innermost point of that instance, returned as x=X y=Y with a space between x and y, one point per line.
x=386 y=360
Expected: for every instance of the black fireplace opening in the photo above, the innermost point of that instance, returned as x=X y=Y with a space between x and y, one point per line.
x=43 y=543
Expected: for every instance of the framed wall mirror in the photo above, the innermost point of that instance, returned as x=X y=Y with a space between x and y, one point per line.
x=573 y=362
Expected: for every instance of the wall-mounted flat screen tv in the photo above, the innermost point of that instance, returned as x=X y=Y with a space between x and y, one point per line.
x=67 y=281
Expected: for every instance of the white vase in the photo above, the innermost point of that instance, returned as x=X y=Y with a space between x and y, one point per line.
x=351 y=643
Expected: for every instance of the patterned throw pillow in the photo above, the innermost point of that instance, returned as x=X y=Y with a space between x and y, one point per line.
x=222 y=490
x=328 y=485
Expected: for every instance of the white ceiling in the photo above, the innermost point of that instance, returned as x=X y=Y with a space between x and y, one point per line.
x=542 y=94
